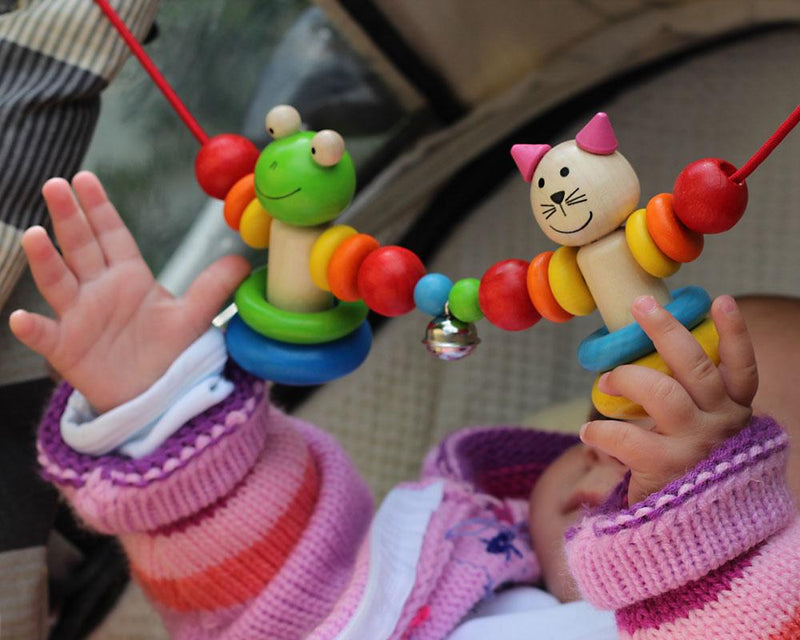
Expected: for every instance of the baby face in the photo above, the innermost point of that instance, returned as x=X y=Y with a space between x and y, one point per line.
x=580 y=478
x=578 y=197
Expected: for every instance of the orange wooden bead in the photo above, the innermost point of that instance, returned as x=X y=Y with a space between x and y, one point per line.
x=240 y=195
x=674 y=238
x=345 y=263
x=540 y=292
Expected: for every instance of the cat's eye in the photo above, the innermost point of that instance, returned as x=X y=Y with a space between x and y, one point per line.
x=541 y=183
x=564 y=172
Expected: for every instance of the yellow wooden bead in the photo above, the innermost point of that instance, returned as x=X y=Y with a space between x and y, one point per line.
x=323 y=249
x=621 y=408
x=254 y=225
x=644 y=249
x=567 y=283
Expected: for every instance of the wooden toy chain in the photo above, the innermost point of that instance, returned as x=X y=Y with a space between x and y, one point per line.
x=302 y=320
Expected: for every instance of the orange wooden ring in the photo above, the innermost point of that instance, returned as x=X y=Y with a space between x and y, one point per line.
x=345 y=263
x=540 y=292
x=240 y=195
x=674 y=238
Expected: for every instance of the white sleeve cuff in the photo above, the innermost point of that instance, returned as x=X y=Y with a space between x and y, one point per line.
x=192 y=384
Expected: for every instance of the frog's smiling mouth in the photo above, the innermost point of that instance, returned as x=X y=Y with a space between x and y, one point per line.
x=285 y=195
x=583 y=226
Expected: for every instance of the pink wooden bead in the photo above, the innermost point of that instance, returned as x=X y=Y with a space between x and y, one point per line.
x=386 y=280
x=503 y=296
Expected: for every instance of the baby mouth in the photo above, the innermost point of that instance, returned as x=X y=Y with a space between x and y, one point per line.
x=583 y=226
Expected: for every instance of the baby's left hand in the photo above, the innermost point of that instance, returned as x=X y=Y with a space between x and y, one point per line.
x=694 y=411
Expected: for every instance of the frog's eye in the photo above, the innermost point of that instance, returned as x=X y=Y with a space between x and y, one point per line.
x=327 y=148
x=283 y=121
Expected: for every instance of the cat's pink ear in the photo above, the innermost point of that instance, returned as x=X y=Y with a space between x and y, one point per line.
x=597 y=136
x=527 y=157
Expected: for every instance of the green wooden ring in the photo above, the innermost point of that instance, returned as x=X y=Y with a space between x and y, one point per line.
x=290 y=326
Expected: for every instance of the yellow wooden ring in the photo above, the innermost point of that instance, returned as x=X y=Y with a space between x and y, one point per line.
x=254 y=225
x=322 y=250
x=567 y=283
x=621 y=408
x=644 y=249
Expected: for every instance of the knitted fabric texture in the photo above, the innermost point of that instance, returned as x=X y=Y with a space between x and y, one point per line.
x=691 y=560
x=246 y=524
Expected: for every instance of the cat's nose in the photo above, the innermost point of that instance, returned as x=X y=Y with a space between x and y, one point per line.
x=557 y=197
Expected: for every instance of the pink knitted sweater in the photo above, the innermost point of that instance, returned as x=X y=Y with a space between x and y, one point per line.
x=249 y=524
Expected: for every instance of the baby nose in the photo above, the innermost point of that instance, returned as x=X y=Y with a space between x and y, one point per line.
x=557 y=197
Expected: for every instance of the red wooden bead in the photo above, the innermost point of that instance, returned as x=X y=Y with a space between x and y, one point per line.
x=387 y=278
x=705 y=199
x=222 y=162
x=503 y=296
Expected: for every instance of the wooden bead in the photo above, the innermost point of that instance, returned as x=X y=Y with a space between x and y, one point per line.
x=644 y=249
x=620 y=408
x=222 y=161
x=254 y=225
x=327 y=148
x=567 y=283
x=503 y=296
x=539 y=290
x=463 y=300
x=345 y=263
x=323 y=250
x=240 y=195
x=705 y=199
x=431 y=293
x=674 y=238
x=386 y=280
x=282 y=120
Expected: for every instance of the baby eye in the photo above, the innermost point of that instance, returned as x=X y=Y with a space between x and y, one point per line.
x=327 y=148
x=283 y=121
x=541 y=183
x=564 y=172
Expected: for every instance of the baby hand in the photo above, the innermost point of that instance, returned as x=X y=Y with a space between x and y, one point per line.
x=698 y=408
x=117 y=330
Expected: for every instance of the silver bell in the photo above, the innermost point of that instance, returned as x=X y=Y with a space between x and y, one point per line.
x=449 y=338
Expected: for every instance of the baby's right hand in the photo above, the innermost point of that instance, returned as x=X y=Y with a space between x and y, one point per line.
x=695 y=410
x=117 y=330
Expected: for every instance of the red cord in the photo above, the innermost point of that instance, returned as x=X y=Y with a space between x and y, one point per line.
x=768 y=147
x=149 y=66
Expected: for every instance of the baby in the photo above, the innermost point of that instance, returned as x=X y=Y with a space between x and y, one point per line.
x=246 y=523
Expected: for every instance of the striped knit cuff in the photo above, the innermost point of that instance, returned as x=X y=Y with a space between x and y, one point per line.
x=729 y=503
x=194 y=468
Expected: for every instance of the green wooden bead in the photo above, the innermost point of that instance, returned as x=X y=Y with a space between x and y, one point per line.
x=463 y=300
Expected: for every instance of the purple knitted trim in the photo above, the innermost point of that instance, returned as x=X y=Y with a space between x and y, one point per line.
x=503 y=461
x=54 y=452
x=679 y=603
x=760 y=439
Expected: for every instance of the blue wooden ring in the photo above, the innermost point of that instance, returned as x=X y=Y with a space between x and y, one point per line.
x=602 y=351
x=296 y=364
x=294 y=326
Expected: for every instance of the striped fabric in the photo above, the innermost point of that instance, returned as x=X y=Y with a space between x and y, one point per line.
x=248 y=524
x=56 y=56
x=715 y=554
